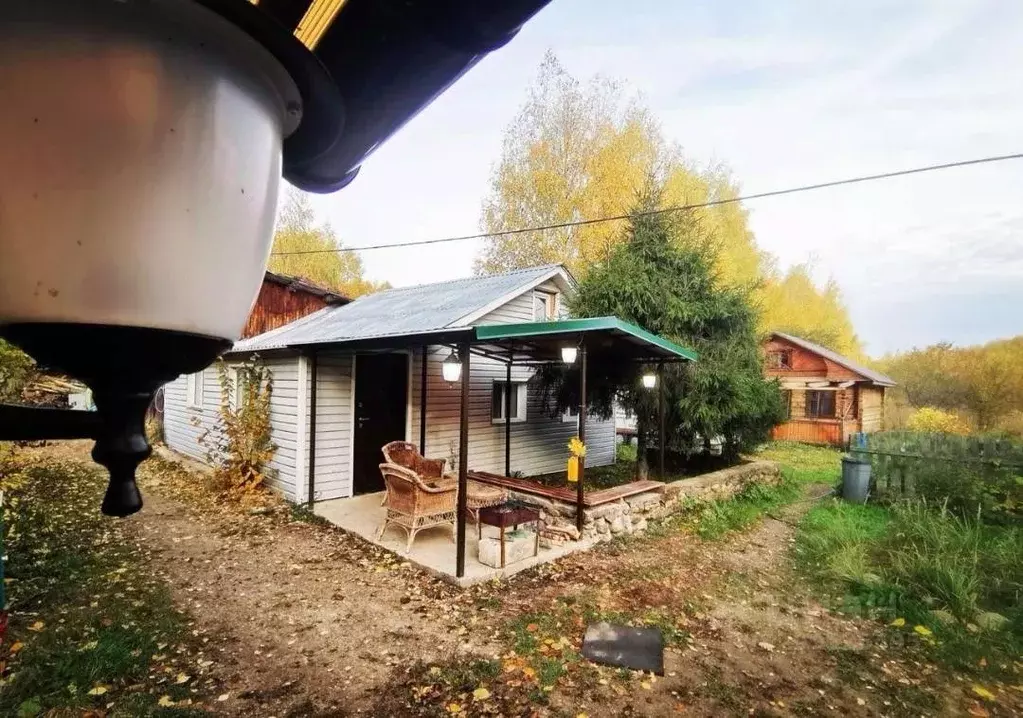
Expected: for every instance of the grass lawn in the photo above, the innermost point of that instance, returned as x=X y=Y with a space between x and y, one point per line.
x=92 y=627
x=803 y=463
x=950 y=584
x=959 y=580
x=802 y=467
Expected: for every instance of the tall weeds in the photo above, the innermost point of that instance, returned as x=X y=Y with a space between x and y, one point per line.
x=925 y=562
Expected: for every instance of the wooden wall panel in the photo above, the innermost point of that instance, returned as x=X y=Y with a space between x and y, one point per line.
x=809 y=431
x=804 y=363
x=871 y=409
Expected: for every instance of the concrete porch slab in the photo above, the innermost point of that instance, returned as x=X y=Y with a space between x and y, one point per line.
x=434 y=549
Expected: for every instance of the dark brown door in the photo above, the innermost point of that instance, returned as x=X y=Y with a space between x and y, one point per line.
x=381 y=400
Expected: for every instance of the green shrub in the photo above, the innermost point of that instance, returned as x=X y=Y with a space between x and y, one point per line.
x=954 y=563
x=16 y=369
x=240 y=445
x=988 y=491
x=943 y=560
x=625 y=452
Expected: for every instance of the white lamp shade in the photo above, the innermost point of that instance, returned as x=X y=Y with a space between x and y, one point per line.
x=140 y=168
x=569 y=354
x=649 y=381
x=452 y=368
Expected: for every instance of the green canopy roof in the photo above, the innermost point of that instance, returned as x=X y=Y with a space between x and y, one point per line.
x=537 y=338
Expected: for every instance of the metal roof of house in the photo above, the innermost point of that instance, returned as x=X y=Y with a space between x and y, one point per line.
x=874 y=376
x=403 y=311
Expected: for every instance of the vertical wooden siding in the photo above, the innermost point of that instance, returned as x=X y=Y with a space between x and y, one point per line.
x=278 y=305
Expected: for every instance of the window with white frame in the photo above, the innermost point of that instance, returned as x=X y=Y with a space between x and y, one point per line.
x=545 y=306
x=518 y=402
x=571 y=415
x=237 y=378
x=193 y=390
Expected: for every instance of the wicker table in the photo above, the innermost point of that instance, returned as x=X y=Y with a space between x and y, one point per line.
x=480 y=496
x=504 y=516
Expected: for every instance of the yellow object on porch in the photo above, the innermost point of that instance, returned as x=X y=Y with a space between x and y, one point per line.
x=576 y=447
x=573 y=469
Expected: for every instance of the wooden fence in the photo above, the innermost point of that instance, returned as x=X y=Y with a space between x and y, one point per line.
x=906 y=464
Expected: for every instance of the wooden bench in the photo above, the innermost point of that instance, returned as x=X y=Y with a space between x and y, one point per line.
x=565 y=493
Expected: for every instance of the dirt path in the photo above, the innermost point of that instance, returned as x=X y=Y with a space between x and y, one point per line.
x=303 y=619
x=312 y=620
x=755 y=643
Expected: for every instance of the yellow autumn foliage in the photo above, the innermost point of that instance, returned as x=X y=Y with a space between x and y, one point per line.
x=983 y=383
x=579 y=151
x=935 y=421
x=298 y=231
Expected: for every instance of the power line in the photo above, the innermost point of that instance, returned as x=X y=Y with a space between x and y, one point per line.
x=677 y=208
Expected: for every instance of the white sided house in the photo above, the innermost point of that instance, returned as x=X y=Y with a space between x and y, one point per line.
x=368 y=392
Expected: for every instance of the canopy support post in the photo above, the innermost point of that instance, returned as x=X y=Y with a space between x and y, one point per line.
x=661 y=440
x=422 y=402
x=463 y=460
x=579 y=518
x=507 y=419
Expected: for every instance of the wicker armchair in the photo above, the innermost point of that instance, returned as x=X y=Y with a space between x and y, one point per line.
x=415 y=504
x=402 y=453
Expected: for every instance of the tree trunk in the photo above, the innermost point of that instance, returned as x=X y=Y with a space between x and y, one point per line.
x=642 y=468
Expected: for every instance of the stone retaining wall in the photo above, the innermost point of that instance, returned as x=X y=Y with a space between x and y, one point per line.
x=631 y=514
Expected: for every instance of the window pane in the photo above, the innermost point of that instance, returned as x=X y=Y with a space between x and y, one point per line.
x=496 y=402
x=820 y=404
x=828 y=403
x=239 y=388
x=515 y=401
x=779 y=360
x=193 y=389
x=539 y=307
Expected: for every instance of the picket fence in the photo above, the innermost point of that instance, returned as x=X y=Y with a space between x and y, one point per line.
x=898 y=457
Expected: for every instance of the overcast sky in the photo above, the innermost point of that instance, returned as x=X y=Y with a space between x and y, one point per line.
x=786 y=93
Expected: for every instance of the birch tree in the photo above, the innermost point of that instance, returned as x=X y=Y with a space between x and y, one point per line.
x=584 y=150
x=302 y=247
